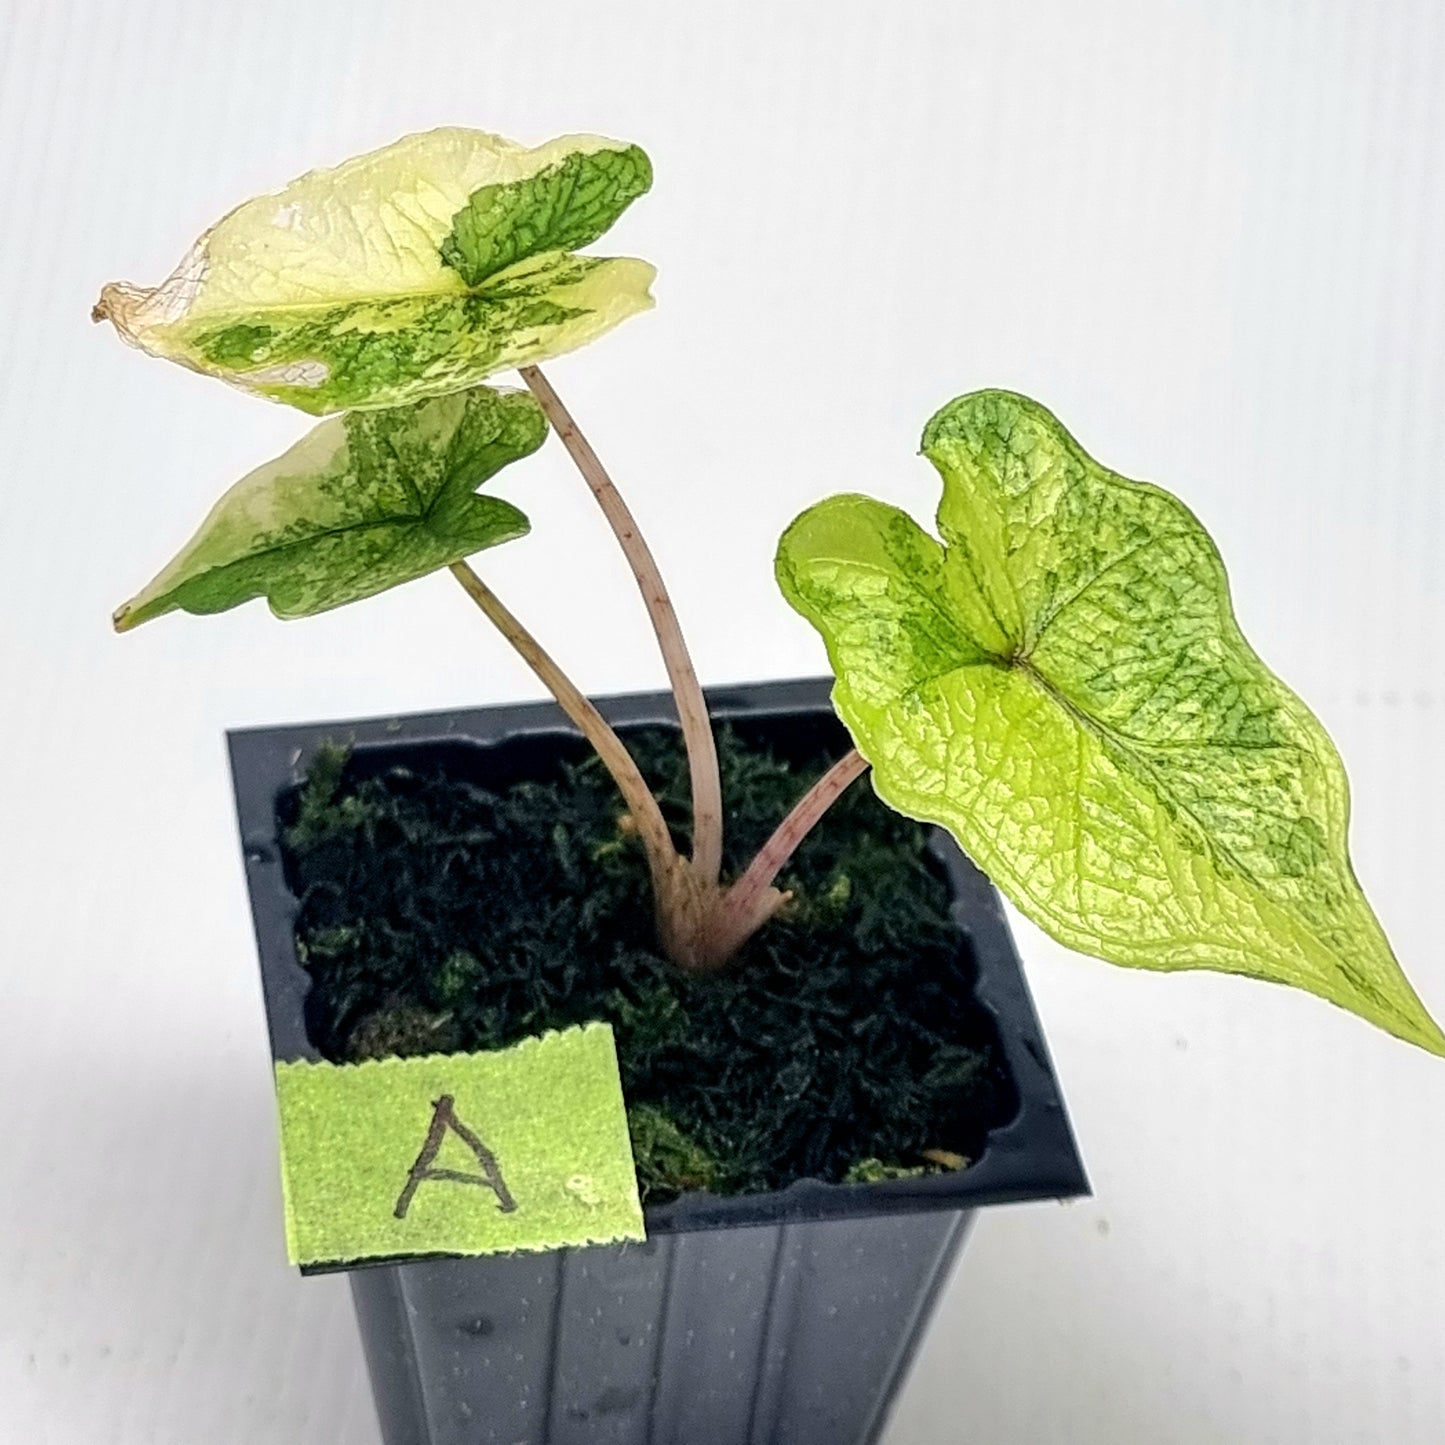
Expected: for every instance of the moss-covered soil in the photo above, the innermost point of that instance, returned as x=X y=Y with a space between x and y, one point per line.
x=439 y=914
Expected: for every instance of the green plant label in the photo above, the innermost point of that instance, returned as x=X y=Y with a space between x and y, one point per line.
x=459 y=1154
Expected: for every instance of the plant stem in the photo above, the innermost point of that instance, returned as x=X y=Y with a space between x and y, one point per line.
x=752 y=900
x=701 y=924
x=697 y=735
x=651 y=826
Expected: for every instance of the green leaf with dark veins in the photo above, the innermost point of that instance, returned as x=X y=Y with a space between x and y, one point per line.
x=363 y=502
x=412 y=271
x=1062 y=684
x=569 y=204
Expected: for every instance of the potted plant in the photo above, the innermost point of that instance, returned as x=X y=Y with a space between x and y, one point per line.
x=827 y=1052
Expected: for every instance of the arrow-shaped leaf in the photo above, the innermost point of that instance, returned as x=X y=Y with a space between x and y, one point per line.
x=412 y=271
x=1062 y=684
x=363 y=502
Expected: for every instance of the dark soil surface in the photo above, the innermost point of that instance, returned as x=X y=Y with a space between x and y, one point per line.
x=441 y=914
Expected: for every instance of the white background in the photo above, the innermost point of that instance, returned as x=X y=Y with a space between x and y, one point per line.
x=1209 y=235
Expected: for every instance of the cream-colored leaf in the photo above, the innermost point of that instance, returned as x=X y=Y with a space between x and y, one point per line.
x=414 y=270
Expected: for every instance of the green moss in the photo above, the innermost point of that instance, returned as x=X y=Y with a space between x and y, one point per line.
x=403 y=1031
x=440 y=914
x=874 y=1171
x=668 y=1162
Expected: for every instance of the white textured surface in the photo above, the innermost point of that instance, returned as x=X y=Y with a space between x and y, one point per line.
x=1210 y=235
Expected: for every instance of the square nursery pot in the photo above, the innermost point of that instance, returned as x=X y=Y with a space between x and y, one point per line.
x=787 y=1318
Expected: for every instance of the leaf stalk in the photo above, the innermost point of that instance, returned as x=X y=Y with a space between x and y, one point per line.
x=651 y=826
x=697 y=734
x=752 y=900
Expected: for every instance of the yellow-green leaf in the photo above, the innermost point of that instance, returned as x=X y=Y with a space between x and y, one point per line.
x=412 y=271
x=1062 y=684
x=363 y=502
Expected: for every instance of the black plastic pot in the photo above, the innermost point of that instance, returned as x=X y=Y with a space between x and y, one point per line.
x=774 y=1319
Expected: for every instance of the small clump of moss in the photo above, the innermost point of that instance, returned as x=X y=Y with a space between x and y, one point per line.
x=934 y=1161
x=440 y=914
x=668 y=1162
x=403 y=1031
x=875 y=1171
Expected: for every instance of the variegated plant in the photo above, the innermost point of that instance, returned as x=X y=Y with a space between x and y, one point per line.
x=1057 y=677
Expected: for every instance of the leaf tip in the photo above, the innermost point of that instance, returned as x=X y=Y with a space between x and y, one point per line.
x=119 y=303
x=1429 y=1035
x=644 y=274
x=116 y=302
x=124 y=618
